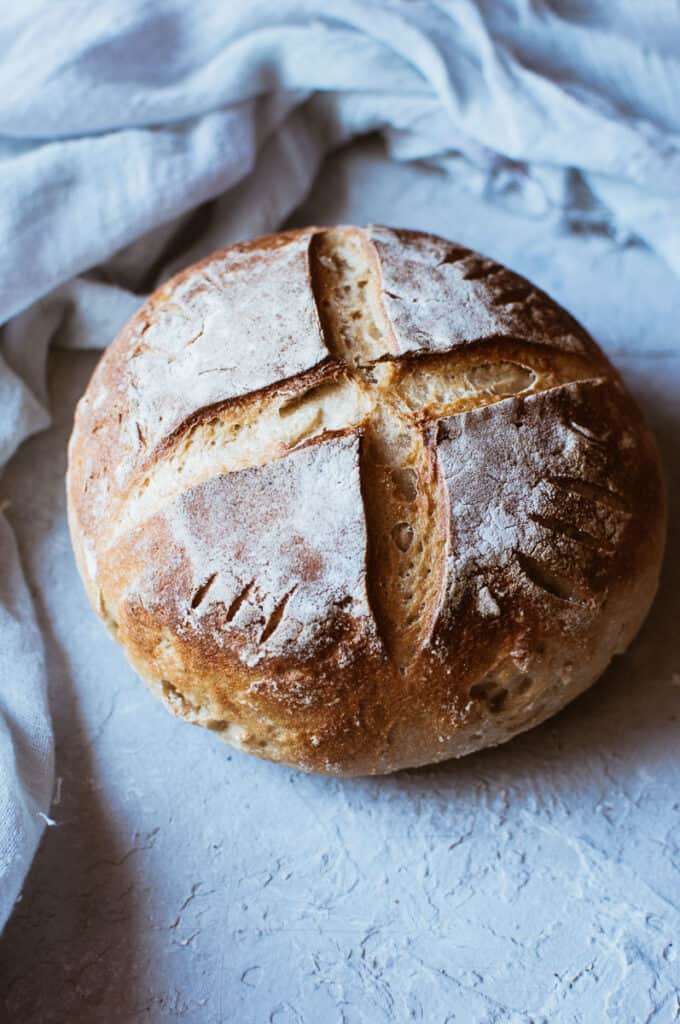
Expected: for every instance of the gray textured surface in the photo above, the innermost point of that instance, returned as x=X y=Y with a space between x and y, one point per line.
x=536 y=882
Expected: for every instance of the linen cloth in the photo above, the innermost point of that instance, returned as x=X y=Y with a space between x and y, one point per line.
x=119 y=120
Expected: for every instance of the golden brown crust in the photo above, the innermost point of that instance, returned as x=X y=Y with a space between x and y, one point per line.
x=426 y=522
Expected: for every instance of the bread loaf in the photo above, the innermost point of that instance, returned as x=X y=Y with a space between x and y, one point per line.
x=362 y=499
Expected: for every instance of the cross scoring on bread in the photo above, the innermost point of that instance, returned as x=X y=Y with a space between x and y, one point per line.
x=393 y=401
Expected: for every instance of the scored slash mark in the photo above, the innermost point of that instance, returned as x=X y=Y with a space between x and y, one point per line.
x=274 y=620
x=548 y=579
x=398 y=399
x=596 y=493
x=242 y=596
x=202 y=591
x=560 y=528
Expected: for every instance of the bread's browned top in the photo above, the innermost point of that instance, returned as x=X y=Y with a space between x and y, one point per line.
x=354 y=444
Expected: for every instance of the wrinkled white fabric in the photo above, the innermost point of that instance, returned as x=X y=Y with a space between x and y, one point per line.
x=118 y=120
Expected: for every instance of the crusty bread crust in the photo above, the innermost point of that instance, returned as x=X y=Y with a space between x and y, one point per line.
x=362 y=499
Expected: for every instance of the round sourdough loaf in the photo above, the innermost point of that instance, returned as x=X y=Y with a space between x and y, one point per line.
x=362 y=499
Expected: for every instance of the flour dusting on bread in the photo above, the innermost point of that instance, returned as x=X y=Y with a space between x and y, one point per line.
x=360 y=499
